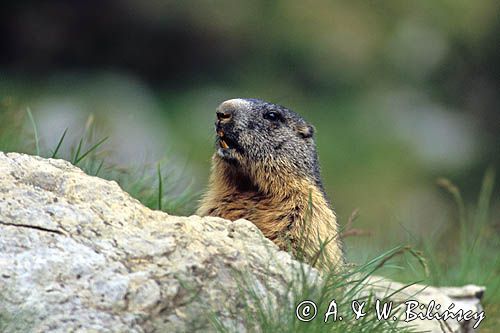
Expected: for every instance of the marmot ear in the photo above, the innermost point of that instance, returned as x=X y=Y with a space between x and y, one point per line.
x=305 y=130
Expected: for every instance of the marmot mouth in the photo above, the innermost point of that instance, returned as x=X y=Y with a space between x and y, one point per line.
x=224 y=141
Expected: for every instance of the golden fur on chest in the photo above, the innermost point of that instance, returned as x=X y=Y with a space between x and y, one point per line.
x=271 y=216
x=290 y=211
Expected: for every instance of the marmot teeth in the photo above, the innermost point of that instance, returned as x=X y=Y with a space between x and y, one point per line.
x=222 y=143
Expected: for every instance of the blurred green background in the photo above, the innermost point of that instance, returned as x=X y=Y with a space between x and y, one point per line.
x=400 y=92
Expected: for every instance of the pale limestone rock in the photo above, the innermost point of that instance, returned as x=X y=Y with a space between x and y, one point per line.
x=77 y=254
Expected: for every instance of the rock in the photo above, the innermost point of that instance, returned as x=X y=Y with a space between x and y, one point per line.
x=466 y=299
x=77 y=254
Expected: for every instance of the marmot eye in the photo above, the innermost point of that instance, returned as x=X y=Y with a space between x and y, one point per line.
x=271 y=115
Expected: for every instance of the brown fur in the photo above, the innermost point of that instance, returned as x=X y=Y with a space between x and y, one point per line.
x=287 y=207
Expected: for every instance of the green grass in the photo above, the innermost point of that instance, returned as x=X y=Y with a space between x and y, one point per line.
x=475 y=243
x=156 y=187
x=263 y=315
x=465 y=252
x=471 y=254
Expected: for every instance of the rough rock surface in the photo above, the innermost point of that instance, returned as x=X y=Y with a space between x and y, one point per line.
x=77 y=254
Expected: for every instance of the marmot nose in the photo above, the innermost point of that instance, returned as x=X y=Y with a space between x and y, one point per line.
x=224 y=115
x=230 y=108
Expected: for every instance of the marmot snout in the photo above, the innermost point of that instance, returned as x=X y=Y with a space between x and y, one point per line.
x=266 y=170
x=253 y=130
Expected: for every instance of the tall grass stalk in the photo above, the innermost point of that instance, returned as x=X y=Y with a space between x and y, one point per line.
x=35 y=131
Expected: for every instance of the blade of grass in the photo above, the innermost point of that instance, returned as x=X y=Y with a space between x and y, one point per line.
x=77 y=152
x=99 y=168
x=35 y=131
x=91 y=149
x=160 y=187
x=462 y=215
x=483 y=204
x=59 y=144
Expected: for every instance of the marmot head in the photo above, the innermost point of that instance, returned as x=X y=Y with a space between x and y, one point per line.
x=265 y=140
